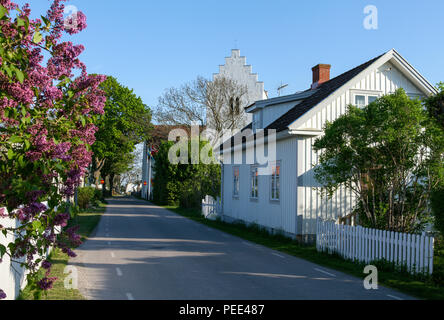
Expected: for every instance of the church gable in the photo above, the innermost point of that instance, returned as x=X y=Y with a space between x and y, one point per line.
x=236 y=68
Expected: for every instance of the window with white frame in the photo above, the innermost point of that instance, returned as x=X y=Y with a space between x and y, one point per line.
x=254 y=182
x=236 y=182
x=275 y=181
x=362 y=99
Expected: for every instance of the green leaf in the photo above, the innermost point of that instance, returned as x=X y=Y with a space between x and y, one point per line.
x=20 y=22
x=20 y=75
x=27 y=144
x=46 y=21
x=2 y=250
x=10 y=154
x=15 y=139
x=8 y=70
x=21 y=161
x=36 y=224
x=37 y=37
x=3 y=11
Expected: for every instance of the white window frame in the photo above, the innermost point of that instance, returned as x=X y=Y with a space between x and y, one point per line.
x=366 y=94
x=274 y=188
x=254 y=182
x=236 y=183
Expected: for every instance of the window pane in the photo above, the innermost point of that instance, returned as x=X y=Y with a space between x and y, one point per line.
x=256 y=184
x=236 y=181
x=272 y=187
x=360 y=101
x=277 y=187
x=371 y=99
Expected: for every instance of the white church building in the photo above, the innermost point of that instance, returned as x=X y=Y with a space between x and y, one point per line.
x=287 y=199
x=236 y=68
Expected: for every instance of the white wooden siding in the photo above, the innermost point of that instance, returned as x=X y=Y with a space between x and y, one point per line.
x=278 y=215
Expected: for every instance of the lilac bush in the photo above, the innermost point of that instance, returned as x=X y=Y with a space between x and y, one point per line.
x=48 y=104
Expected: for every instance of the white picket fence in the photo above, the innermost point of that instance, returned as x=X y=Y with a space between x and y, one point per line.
x=211 y=208
x=412 y=251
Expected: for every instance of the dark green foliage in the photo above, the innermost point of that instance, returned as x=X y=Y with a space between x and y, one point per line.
x=88 y=196
x=389 y=154
x=437 y=203
x=183 y=184
x=435 y=107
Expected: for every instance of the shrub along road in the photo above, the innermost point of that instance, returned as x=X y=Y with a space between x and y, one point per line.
x=142 y=251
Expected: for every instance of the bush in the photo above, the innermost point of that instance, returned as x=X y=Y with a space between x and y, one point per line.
x=98 y=195
x=184 y=184
x=86 y=197
x=190 y=196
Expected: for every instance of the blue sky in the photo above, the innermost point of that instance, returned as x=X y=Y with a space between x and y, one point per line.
x=152 y=45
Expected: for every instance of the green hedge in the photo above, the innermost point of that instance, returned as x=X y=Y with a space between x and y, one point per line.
x=88 y=196
x=183 y=184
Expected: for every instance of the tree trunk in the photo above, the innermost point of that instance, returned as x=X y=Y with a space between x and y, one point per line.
x=98 y=165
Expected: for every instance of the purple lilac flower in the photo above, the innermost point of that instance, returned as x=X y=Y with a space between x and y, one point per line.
x=46 y=283
x=46 y=265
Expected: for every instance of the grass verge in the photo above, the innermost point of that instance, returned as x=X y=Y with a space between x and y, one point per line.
x=87 y=222
x=423 y=288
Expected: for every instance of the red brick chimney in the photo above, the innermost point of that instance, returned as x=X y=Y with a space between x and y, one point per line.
x=321 y=74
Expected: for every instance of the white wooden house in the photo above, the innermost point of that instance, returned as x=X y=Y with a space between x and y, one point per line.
x=288 y=199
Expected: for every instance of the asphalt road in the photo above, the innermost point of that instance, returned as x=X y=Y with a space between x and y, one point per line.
x=143 y=252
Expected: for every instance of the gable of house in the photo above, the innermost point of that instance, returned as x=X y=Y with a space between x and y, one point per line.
x=382 y=75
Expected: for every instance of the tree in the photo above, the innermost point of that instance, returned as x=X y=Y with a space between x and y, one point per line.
x=435 y=107
x=46 y=131
x=125 y=123
x=218 y=104
x=386 y=154
x=184 y=184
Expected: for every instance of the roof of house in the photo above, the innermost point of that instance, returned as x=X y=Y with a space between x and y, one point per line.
x=305 y=100
x=320 y=93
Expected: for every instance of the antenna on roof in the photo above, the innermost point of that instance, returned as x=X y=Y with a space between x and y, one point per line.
x=279 y=89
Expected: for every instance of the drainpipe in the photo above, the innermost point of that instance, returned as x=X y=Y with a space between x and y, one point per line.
x=222 y=188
